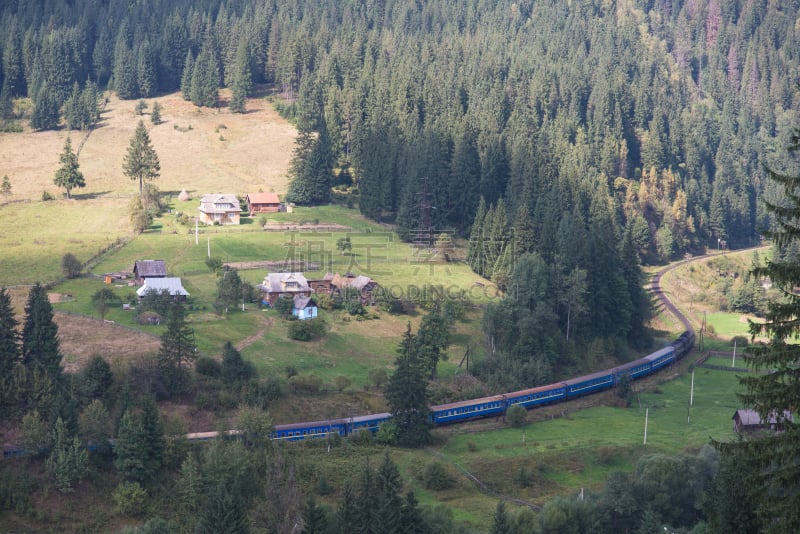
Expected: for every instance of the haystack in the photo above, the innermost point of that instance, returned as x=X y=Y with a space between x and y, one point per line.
x=184 y=196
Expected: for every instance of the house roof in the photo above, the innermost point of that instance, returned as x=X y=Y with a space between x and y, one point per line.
x=358 y=282
x=172 y=285
x=263 y=198
x=301 y=302
x=221 y=203
x=145 y=268
x=278 y=283
x=752 y=418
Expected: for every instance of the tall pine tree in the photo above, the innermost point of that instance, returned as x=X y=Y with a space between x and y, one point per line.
x=407 y=394
x=68 y=175
x=9 y=349
x=777 y=393
x=141 y=161
x=41 y=349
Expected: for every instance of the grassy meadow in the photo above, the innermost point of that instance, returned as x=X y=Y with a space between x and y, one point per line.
x=200 y=150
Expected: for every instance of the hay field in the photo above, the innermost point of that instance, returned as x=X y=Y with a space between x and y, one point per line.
x=200 y=149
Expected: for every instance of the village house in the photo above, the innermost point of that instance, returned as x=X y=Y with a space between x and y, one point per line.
x=171 y=285
x=363 y=284
x=144 y=269
x=263 y=203
x=750 y=422
x=322 y=286
x=219 y=209
x=276 y=285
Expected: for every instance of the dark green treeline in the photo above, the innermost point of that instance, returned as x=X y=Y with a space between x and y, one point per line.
x=666 y=106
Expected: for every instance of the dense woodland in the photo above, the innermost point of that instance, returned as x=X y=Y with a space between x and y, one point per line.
x=567 y=141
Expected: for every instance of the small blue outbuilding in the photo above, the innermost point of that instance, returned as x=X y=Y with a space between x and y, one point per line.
x=304 y=307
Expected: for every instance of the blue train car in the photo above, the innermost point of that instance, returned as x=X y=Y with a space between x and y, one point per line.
x=635 y=369
x=453 y=412
x=370 y=422
x=583 y=385
x=662 y=357
x=537 y=396
x=313 y=429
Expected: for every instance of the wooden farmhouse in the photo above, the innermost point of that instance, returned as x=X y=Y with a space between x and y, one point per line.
x=219 y=209
x=276 y=285
x=323 y=285
x=171 y=285
x=750 y=422
x=144 y=269
x=263 y=203
x=363 y=284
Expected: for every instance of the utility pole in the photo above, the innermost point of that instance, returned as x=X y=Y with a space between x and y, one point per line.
x=646 y=412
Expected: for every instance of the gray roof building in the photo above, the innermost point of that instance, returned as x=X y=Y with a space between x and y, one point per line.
x=172 y=284
x=149 y=269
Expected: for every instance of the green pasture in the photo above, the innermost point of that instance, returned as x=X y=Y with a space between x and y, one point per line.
x=579 y=448
x=34 y=236
x=727 y=324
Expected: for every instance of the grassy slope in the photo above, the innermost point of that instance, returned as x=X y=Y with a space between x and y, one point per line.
x=253 y=156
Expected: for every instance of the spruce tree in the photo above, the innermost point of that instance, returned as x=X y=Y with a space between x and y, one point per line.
x=73 y=112
x=390 y=503
x=476 y=251
x=314 y=521
x=411 y=520
x=41 y=349
x=366 y=502
x=242 y=79
x=68 y=461
x=234 y=367
x=177 y=350
x=155 y=114
x=347 y=512
x=407 y=394
x=5 y=187
x=311 y=169
x=9 y=349
x=205 y=78
x=45 y=114
x=141 y=161
x=186 y=77
x=777 y=392
x=130 y=449
x=153 y=437
x=68 y=176
x=501 y=523
x=124 y=77
x=146 y=80
x=434 y=338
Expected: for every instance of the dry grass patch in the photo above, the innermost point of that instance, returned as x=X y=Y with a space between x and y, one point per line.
x=81 y=338
x=254 y=156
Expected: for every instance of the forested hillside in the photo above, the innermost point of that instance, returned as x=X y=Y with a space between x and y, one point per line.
x=667 y=107
x=583 y=133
